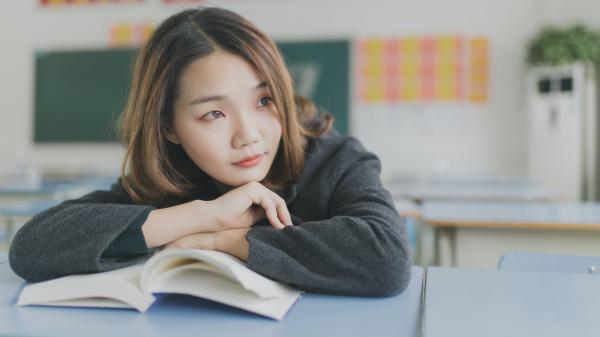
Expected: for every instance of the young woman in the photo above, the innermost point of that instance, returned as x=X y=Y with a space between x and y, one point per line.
x=222 y=155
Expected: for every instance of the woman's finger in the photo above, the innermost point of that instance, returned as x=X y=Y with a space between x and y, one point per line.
x=271 y=211
x=283 y=212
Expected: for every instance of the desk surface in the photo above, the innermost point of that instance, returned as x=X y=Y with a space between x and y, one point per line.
x=53 y=189
x=565 y=216
x=25 y=208
x=407 y=208
x=420 y=192
x=457 y=179
x=469 y=302
x=312 y=315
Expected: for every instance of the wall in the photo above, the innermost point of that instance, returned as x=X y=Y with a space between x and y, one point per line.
x=452 y=138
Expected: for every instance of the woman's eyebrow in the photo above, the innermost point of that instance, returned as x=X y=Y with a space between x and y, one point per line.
x=200 y=100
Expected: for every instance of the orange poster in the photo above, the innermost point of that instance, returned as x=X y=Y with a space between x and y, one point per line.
x=82 y=2
x=411 y=69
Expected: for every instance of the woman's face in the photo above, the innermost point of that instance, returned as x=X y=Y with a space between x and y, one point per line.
x=225 y=119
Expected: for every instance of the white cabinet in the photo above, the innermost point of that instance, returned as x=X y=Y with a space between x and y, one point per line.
x=562 y=129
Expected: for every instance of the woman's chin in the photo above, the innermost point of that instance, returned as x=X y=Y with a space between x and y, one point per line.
x=245 y=178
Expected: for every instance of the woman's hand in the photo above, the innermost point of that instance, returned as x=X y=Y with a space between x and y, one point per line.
x=245 y=205
x=232 y=242
x=241 y=207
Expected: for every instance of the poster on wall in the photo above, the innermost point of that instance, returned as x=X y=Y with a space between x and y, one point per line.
x=423 y=69
x=130 y=34
x=183 y=2
x=47 y=3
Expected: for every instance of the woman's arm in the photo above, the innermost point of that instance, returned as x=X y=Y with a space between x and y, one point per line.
x=72 y=237
x=104 y=230
x=165 y=225
x=362 y=249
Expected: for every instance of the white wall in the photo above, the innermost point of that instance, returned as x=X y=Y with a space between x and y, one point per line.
x=453 y=138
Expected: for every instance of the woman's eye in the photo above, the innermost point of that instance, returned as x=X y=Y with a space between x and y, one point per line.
x=213 y=115
x=265 y=101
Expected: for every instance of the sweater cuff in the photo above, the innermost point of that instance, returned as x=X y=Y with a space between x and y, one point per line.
x=131 y=242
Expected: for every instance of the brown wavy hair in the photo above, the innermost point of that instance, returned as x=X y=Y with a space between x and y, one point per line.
x=154 y=168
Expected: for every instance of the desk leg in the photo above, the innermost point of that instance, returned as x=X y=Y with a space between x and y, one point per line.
x=7 y=223
x=452 y=239
x=10 y=225
x=448 y=234
x=417 y=225
x=436 y=246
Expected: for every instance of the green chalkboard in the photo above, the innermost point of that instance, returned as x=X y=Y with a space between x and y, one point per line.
x=321 y=71
x=80 y=94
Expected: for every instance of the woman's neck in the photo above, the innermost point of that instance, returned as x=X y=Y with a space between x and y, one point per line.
x=222 y=188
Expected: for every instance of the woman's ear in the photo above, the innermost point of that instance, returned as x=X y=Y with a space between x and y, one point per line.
x=172 y=136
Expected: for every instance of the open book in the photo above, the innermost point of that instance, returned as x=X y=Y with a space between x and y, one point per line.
x=208 y=274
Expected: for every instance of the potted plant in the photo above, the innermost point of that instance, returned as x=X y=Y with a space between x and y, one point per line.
x=554 y=46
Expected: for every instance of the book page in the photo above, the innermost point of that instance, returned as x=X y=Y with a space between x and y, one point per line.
x=196 y=280
x=115 y=289
x=224 y=264
x=219 y=277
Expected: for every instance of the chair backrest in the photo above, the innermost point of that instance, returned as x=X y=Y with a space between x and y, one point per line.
x=550 y=263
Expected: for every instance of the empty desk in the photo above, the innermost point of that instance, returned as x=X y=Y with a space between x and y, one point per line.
x=412 y=214
x=479 y=233
x=14 y=213
x=474 y=303
x=421 y=192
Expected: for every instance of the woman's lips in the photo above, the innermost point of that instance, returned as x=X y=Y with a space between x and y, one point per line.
x=250 y=162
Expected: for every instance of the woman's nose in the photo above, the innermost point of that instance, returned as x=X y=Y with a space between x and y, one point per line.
x=246 y=134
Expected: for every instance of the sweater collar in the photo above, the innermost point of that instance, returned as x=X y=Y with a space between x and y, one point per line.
x=288 y=193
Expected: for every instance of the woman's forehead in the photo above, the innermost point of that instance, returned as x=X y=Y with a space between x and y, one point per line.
x=220 y=72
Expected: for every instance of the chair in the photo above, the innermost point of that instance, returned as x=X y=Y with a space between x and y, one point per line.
x=550 y=263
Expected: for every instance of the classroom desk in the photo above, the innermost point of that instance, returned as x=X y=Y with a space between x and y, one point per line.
x=56 y=189
x=412 y=218
x=407 y=208
x=479 y=233
x=13 y=213
x=173 y=315
x=11 y=194
x=420 y=192
x=462 y=179
x=470 y=302
x=18 y=205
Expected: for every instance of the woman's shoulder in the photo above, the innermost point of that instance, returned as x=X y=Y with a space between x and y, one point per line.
x=116 y=194
x=336 y=151
x=333 y=144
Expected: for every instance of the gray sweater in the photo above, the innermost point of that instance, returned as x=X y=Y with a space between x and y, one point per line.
x=347 y=236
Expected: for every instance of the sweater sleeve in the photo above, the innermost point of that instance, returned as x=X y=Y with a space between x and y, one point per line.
x=73 y=237
x=131 y=241
x=361 y=249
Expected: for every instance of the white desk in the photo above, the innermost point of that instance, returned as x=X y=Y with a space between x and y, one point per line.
x=407 y=208
x=312 y=315
x=13 y=213
x=431 y=191
x=479 y=233
x=18 y=205
x=412 y=216
x=469 y=303
x=457 y=179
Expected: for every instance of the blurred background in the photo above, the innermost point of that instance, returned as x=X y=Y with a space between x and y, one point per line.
x=484 y=113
